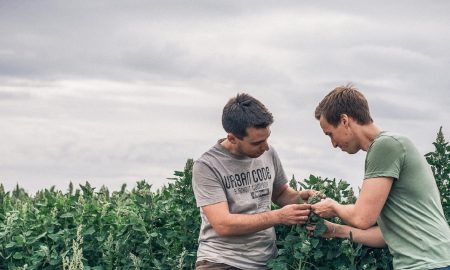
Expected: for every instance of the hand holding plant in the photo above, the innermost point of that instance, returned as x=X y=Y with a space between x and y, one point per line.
x=325 y=208
x=308 y=193
x=294 y=214
x=330 y=229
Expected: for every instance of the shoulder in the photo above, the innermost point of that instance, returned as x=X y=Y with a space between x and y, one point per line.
x=388 y=142
x=272 y=150
x=389 y=139
x=212 y=152
x=207 y=157
x=272 y=153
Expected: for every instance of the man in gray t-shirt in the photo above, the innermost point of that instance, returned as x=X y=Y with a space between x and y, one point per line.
x=235 y=183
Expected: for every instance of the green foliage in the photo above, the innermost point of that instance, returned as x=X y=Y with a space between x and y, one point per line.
x=315 y=219
x=300 y=250
x=141 y=229
x=440 y=165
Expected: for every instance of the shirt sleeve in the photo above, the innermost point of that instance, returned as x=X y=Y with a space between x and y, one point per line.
x=280 y=175
x=206 y=185
x=385 y=158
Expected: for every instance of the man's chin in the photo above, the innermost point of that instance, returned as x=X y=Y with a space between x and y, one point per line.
x=352 y=151
x=255 y=155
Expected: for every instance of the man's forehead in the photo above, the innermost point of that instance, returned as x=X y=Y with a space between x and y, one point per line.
x=323 y=122
x=254 y=133
x=326 y=127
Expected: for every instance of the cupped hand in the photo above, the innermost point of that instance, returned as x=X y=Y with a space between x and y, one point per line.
x=305 y=194
x=330 y=232
x=325 y=208
x=294 y=214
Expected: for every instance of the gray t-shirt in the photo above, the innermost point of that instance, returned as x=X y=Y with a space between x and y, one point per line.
x=246 y=184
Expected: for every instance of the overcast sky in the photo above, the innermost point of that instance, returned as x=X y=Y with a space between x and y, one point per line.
x=114 y=92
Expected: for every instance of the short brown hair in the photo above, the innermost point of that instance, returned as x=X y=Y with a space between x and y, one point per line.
x=344 y=100
x=242 y=112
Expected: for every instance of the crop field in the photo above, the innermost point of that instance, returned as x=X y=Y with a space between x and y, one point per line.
x=85 y=228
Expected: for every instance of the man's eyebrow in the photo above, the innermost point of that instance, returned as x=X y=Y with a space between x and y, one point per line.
x=261 y=141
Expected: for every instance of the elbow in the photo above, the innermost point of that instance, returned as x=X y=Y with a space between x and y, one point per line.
x=363 y=223
x=222 y=230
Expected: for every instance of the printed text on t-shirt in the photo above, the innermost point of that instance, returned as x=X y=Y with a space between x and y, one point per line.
x=246 y=178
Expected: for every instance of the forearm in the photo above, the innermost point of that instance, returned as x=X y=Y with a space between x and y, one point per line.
x=346 y=213
x=289 y=196
x=240 y=224
x=353 y=216
x=364 y=213
x=231 y=224
x=371 y=237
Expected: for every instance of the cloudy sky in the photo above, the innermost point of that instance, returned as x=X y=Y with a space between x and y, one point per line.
x=114 y=92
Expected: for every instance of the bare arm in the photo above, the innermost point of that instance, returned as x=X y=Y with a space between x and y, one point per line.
x=285 y=195
x=364 y=213
x=228 y=224
x=370 y=237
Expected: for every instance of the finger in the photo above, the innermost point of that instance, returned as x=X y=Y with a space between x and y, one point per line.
x=302 y=220
x=303 y=206
x=304 y=212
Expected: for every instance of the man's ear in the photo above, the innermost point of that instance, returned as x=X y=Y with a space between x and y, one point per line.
x=231 y=138
x=345 y=120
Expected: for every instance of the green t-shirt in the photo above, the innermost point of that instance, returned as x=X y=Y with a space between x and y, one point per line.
x=412 y=220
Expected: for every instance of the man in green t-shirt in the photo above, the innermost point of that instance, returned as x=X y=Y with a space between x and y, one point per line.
x=399 y=201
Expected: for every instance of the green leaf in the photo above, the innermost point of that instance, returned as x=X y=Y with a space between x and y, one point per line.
x=315 y=242
x=318 y=254
x=18 y=256
x=320 y=228
x=333 y=253
x=19 y=239
x=54 y=237
x=66 y=215
x=89 y=231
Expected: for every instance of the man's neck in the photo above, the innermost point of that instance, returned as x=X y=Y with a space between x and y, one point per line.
x=229 y=146
x=368 y=134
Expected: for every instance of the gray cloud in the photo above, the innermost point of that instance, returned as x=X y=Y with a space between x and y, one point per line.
x=113 y=91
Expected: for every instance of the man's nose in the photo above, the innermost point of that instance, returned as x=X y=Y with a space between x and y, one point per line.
x=334 y=143
x=265 y=146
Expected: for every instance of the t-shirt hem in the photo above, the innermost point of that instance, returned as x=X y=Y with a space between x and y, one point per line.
x=439 y=265
x=427 y=266
x=380 y=174
x=216 y=260
x=201 y=204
